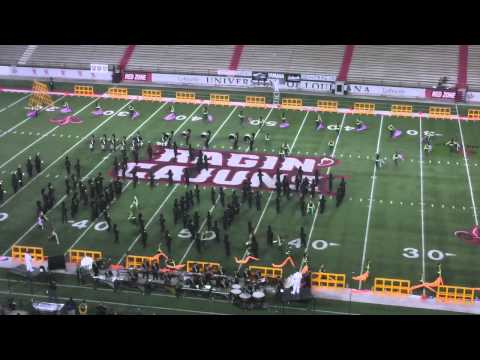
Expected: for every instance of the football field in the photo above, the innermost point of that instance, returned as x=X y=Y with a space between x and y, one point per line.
x=399 y=218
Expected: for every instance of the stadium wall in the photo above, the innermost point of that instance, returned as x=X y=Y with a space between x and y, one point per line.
x=234 y=82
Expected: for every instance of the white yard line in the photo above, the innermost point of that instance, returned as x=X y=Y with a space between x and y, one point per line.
x=328 y=172
x=468 y=170
x=213 y=207
x=199 y=230
x=367 y=227
x=258 y=224
x=42 y=137
x=422 y=210
x=63 y=155
x=92 y=224
x=25 y=120
x=14 y=103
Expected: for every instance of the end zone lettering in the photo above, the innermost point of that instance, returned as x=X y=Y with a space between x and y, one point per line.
x=137 y=76
x=230 y=169
x=441 y=94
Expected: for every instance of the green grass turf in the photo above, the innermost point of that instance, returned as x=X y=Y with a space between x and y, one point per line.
x=395 y=224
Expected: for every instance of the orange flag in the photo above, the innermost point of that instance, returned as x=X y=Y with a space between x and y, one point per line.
x=361 y=277
x=176 y=267
x=429 y=286
x=288 y=259
x=159 y=255
x=305 y=269
x=246 y=260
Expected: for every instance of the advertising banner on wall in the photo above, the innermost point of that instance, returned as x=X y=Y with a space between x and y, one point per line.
x=137 y=76
x=99 y=68
x=447 y=94
x=237 y=82
x=387 y=91
x=473 y=97
x=71 y=74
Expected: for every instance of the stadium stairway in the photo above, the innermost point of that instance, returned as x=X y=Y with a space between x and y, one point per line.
x=127 y=55
x=462 y=73
x=347 y=60
x=237 y=54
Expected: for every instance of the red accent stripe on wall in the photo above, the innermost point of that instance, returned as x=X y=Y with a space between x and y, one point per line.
x=347 y=59
x=126 y=57
x=237 y=54
x=462 y=66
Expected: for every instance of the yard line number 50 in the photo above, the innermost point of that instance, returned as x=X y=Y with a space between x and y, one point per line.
x=412 y=253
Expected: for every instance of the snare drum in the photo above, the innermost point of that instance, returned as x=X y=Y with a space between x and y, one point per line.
x=245 y=299
x=236 y=286
x=236 y=292
x=258 y=295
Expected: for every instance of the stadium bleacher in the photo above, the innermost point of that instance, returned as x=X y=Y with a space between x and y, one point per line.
x=10 y=54
x=317 y=59
x=75 y=56
x=404 y=65
x=400 y=65
x=181 y=58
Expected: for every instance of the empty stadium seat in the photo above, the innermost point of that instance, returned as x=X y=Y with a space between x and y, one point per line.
x=181 y=58
x=316 y=59
x=10 y=54
x=404 y=65
x=76 y=56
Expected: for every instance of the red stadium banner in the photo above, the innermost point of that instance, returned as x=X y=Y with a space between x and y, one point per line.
x=137 y=76
x=447 y=94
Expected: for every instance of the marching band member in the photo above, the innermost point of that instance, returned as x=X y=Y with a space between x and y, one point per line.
x=206 y=135
x=453 y=144
x=205 y=113
x=241 y=116
x=131 y=111
x=391 y=129
x=234 y=137
x=427 y=148
x=331 y=144
x=378 y=161
x=358 y=124
x=123 y=144
x=267 y=139
x=92 y=143
x=103 y=142
x=318 y=122
x=396 y=157
x=186 y=134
